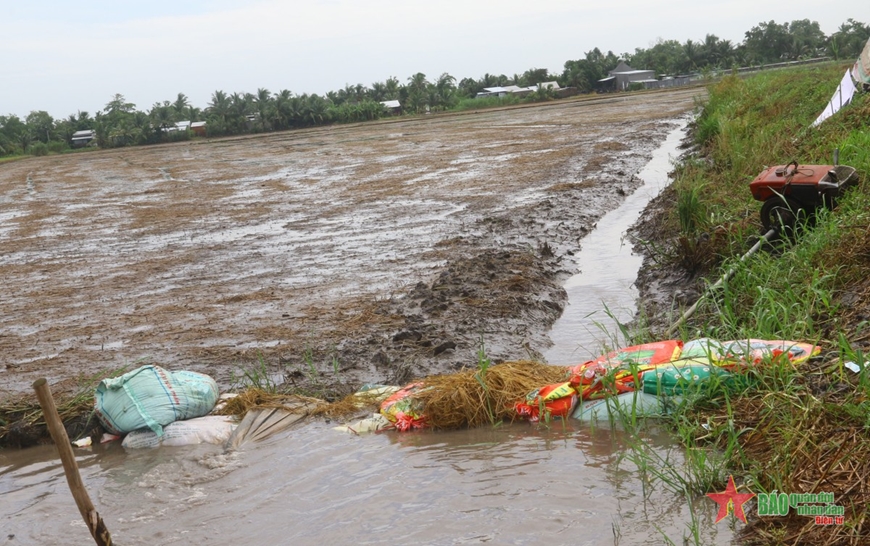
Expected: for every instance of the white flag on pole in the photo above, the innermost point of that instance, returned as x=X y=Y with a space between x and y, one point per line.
x=842 y=97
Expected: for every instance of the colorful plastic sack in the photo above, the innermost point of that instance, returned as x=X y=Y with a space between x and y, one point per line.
x=375 y=423
x=753 y=351
x=861 y=68
x=597 y=380
x=403 y=410
x=680 y=377
x=704 y=348
x=557 y=400
x=615 y=372
x=151 y=397
x=646 y=354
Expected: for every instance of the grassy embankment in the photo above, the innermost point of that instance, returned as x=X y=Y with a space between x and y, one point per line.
x=783 y=428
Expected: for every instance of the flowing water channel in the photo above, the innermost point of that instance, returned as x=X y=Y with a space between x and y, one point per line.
x=512 y=484
x=603 y=292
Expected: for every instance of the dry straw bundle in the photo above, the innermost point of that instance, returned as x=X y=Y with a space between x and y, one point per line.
x=254 y=398
x=353 y=404
x=475 y=397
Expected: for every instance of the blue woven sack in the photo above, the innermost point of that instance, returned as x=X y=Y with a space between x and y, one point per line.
x=151 y=397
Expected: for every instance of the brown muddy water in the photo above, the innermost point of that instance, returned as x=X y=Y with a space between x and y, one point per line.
x=202 y=255
x=506 y=485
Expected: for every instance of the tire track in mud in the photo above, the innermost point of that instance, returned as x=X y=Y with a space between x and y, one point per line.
x=333 y=257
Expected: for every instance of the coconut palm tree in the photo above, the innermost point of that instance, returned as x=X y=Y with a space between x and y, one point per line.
x=163 y=117
x=417 y=92
x=240 y=108
x=693 y=56
x=392 y=88
x=281 y=107
x=181 y=107
x=264 y=105
x=445 y=91
x=219 y=112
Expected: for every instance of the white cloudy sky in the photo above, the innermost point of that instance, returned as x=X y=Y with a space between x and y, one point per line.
x=62 y=56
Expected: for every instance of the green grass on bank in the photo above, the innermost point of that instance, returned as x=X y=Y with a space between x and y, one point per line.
x=746 y=126
x=793 y=429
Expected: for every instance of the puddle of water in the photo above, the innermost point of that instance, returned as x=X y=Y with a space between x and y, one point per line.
x=608 y=269
x=506 y=485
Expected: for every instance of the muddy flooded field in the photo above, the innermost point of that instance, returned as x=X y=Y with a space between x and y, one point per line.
x=327 y=257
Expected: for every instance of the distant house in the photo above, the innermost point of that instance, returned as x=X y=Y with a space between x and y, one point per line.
x=198 y=128
x=515 y=90
x=80 y=139
x=393 y=107
x=492 y=92
x=623 y=75
x=179 y=126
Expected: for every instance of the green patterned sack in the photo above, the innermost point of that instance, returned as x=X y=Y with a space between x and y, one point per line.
x=680 y=377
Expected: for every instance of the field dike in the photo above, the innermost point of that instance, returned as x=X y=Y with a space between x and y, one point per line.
x=785 y=433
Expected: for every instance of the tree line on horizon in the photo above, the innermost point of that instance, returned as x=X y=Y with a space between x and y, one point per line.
x=121 y=124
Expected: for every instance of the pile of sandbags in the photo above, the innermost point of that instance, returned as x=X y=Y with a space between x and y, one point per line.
x=153 y=406
x=641 y=379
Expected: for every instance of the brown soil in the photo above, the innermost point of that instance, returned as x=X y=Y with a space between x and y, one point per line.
x=325 y=258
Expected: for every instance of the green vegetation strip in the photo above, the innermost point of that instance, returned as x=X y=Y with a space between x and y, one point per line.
x=784 y=429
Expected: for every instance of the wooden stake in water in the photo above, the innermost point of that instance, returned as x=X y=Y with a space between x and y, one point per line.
x=61 y=440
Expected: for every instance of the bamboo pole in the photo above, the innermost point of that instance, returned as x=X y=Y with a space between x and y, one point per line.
x=730 y=273
x=70 y=468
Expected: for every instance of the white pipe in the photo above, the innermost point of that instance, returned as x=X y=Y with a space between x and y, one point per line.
x=730 y=273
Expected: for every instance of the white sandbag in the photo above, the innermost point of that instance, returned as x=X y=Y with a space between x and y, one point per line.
x=212 y=429
x=152 y=397
x=628 y=403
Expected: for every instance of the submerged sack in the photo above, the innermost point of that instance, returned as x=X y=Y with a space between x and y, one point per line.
x=153 y=397
x=211 y=429
x=403 y=410
x=555 y=400
x=629 y=404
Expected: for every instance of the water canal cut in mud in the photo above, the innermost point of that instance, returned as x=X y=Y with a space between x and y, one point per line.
x=334 y=257
x=330 y=257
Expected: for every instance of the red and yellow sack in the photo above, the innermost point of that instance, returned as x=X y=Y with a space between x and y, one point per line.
x=614 y=373
x=403 y=410
x=557 y=400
